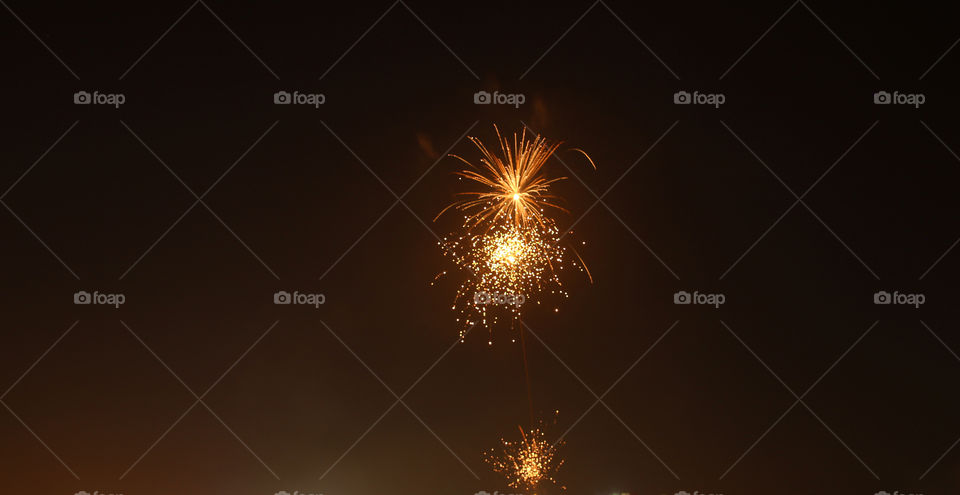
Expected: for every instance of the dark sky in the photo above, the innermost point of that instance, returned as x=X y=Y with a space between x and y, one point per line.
x=797 y=199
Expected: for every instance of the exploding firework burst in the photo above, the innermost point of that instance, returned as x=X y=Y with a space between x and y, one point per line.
x=517 y=257
x=508 y=267
x=527 y=463
x=514 y=186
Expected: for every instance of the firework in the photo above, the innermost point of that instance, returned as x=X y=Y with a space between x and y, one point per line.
x=507 y=268
x=526 y=463
x=514 y=186
x=516 y=258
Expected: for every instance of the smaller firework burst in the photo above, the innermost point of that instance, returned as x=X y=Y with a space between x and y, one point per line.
x=527 y=463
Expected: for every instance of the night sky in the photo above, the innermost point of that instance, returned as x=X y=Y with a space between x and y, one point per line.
x=798 y=199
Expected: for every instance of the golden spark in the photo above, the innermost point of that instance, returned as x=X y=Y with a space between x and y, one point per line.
x=526 y=463
x=514 y=185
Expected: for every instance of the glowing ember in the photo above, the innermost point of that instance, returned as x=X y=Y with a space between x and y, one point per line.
x=527 y=463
